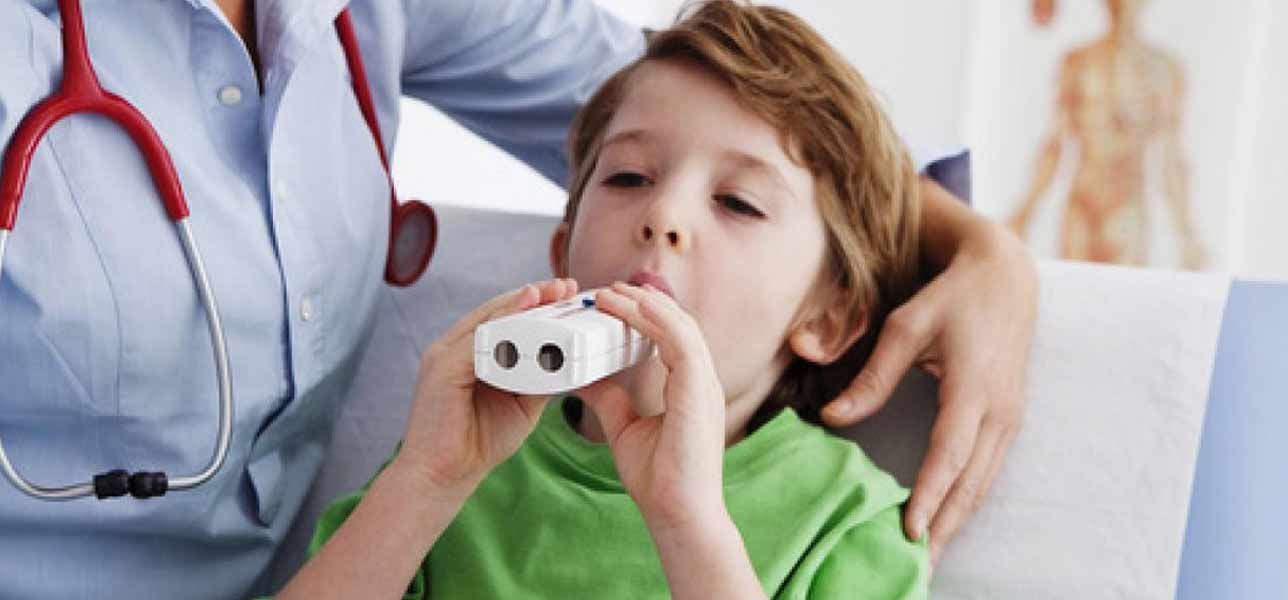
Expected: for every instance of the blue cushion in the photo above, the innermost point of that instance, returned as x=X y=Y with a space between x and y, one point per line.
x=1236 y=541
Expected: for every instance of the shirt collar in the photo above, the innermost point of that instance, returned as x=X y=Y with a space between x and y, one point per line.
x=286 y=27
x=283 y=27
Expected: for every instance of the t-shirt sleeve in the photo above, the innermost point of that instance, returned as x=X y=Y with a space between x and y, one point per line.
x=872 y=560
x=335 y=515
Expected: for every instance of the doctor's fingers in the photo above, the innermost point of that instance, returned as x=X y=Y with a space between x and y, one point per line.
x=953 y=441
x=971 y=488
x=904 y=340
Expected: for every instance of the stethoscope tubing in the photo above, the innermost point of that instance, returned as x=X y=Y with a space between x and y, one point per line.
x=407 y=255
x=80 y=92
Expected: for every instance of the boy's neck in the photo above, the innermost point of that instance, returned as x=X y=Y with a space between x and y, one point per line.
x=736 y=420
x=645 y=385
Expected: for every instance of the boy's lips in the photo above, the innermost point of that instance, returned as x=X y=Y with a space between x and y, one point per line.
x=641 y=278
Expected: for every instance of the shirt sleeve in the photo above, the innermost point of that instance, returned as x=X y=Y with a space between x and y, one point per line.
x=871 y=560
x=515 y=72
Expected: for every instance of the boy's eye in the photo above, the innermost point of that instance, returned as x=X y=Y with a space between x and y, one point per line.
x=626 y=180
x=739 y=206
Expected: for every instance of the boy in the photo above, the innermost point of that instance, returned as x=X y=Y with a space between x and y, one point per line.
x=747 y=206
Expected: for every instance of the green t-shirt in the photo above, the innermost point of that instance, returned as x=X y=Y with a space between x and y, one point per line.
x=819 y=520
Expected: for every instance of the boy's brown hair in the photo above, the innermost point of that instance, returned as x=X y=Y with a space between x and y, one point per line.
x=831 y=124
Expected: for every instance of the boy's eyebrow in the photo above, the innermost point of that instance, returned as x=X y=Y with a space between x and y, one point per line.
x=753 y=163
x=635 y=136
x=740 y=159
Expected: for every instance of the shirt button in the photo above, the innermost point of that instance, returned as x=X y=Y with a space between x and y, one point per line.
x=230 y=95
x=306 y=310
x=282 y=190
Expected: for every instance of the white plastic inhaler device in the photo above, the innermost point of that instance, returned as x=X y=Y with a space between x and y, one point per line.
x=555 y=348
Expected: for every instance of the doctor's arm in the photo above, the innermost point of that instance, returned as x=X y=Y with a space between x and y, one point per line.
x=971 y=327
x=515 y=72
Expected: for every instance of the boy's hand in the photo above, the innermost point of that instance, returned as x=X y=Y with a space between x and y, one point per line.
x=460 y=428
x=671 y=464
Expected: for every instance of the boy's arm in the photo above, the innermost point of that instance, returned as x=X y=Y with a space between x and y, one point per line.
x=672 y=464
x=706 y=558
x=381 y=545
x=458 y=431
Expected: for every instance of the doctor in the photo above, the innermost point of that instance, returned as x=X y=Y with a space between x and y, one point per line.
x=105 y=360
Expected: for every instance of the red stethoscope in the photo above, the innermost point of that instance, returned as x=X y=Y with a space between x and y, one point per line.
x=412 y=235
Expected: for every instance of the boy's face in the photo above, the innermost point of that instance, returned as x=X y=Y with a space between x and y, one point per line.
x=695 y=194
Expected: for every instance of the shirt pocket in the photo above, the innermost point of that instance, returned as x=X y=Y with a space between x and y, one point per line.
x=163 y=364
x=286 y=455
x=59 y=333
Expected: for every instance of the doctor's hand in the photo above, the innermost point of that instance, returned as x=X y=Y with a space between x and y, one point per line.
x=460 y=428
x=970 y=327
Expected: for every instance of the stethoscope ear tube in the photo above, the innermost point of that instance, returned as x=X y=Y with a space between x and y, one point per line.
x=413 y=227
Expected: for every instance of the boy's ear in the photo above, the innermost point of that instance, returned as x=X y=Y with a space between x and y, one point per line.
x=559 y=250
x=825 y=332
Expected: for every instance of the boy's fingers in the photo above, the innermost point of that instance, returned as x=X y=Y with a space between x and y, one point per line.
x=611 y=406
x=662 y=314
x=687 y=356
x=513 y=301
x=467 y=323
x=532 y=405
x=685 y=347
x=458 y=342
x=659 y=301
x=626 y=308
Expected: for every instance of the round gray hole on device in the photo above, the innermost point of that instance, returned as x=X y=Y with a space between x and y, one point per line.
x=550 y=357
x=506 y=354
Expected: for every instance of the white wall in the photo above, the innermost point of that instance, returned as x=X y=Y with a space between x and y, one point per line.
x=440 y=162
x=919 y=55
x=1262 y=227
x=1014 y=95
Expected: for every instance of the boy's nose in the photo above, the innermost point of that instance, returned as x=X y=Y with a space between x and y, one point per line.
x=672 y=236
x=667 y=218
x=662 y=225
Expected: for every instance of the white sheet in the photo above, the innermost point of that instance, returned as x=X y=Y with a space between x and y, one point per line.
x=1092 y=500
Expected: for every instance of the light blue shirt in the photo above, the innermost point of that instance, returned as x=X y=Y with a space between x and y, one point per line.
x=105 y=360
